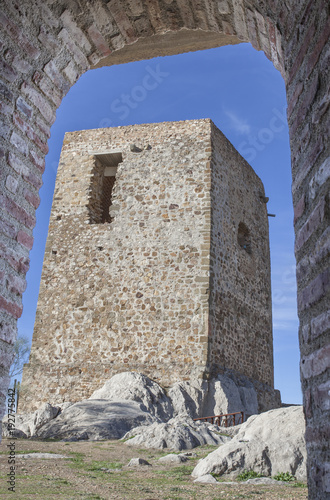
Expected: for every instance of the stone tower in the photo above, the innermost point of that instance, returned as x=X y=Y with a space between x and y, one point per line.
x=157 y=260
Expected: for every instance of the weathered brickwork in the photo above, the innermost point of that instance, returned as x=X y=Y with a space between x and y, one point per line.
x=164 y=285
x=46 y=46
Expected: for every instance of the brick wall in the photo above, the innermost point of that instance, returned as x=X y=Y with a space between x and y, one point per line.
x=46 y=47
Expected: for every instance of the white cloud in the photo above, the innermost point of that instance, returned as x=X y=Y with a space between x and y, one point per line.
x=237 y=123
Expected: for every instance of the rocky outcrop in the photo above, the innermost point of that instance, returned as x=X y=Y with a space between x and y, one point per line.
x=107 y=406
x=133 y=386
x=155 y=418
x=96 y=419
x=179 y=433
x=217 y=396
x=269 y=443
x=28 y=424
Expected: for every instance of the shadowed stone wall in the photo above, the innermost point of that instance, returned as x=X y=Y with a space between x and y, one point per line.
x=46 y=46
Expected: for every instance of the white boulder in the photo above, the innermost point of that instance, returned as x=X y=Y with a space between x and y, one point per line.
x=135 y=462
x=172 y=458
x=217 y=396
x=208 y=479
x=134 y=386
x=269 y=443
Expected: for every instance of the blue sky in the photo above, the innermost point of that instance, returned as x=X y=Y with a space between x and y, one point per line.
x=240 y=90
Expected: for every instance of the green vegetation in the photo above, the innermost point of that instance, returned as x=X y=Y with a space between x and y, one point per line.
x=299 y=484
x=91 y=472
x=180 y=473
x=23 y=452
x=248 y=474
x=284 y=476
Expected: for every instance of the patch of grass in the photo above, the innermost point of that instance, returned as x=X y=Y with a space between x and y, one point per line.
x=123 y=440
x=90 y=496
x=247 y=474
x=206 y=450
x=177 y=473
x=59 y=481
x=284 y=476
x=77 y=460
x=209 y=447
x=299 y=484
x=49 y=440
x=97 y=465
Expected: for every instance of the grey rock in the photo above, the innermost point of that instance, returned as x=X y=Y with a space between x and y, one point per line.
x=172 y=458
x=12 y=433
x=179 y=433
x=28 y=424
x=225 y=396
x=47 y=456
x=134 y=386
x=96 y=419
x=134 y=148
x=131 y=399
x=65 y=405
x=137 y=461
x=230 y=431
x=189 y=454
x=208 y=478
x=269 y=443
x=263 y=480
x=187 y=397
x=220 y=395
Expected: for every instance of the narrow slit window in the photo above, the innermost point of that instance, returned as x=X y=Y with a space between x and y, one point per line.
x=109 y=177
x=101 y=208
x=243 y=237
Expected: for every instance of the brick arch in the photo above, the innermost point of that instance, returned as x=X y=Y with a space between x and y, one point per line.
x=46 y=46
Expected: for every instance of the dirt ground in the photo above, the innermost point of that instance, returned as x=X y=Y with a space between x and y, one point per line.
x=98 y=470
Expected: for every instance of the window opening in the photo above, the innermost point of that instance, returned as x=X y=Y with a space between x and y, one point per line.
x=101 y=209
x=243 y=237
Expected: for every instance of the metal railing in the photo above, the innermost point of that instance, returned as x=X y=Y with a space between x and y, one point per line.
x=226 y=420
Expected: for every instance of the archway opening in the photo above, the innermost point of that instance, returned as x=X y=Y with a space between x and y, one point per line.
x=255 y=125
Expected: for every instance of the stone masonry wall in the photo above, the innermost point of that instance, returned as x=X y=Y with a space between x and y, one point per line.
x=125 y=295
x=133 y=294
x=240 y=303
x=45 y=47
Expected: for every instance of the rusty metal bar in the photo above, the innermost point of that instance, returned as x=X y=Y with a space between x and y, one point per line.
x=225 y=420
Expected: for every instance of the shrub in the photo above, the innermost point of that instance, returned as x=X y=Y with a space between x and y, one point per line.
x=248 y=474
x=284 y=476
